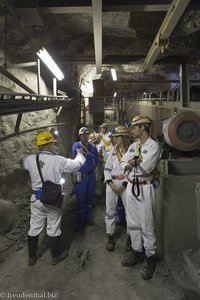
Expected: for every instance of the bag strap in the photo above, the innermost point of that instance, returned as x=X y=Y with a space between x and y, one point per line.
x=85 y=147
x=135 y=183
x=38 y=166
x=118 y=153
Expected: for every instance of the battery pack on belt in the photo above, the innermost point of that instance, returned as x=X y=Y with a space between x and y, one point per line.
x=37 y=193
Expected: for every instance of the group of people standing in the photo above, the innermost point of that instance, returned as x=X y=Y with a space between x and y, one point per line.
x=128 y=171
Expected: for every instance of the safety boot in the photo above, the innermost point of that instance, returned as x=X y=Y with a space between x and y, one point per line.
x=135 y=258
x=110 y=244
x=56 y=254
x=128 y=247
x=32 y=249
x=149 y=267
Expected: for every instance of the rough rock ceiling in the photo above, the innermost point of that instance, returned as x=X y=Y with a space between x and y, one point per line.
x=71 y=31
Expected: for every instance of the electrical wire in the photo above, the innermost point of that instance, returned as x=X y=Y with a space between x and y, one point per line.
x=5 y=37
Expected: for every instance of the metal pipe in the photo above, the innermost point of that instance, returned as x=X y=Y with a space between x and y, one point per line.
x=54 y=86
x=38 y=75
x=28 y=130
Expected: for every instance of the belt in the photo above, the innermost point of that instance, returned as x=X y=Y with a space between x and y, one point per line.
x=118 y=177
x=88 y=173
x=142 y=182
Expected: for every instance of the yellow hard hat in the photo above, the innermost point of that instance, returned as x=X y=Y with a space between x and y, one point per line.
x=121 y=130
x=44 y=138
x=140 y=120
x=83 y=130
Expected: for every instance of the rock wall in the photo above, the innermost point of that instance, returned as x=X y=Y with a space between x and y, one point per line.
x=14 y=182
x=15 y=187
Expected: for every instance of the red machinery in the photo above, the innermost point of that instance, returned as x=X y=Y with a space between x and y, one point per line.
x=182 y=131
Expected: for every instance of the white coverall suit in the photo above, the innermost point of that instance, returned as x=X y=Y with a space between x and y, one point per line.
x=52 y=167
x=140 y=210
x=112 y=169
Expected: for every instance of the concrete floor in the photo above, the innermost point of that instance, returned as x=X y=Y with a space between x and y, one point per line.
x=89 y=273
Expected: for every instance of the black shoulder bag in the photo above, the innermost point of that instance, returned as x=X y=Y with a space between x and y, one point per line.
x=51 y=192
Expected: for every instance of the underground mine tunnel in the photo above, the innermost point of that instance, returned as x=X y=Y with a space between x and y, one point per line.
x=114 y=60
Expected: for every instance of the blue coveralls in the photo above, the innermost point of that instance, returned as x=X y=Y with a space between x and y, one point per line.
x=121 y=217
x=86 y=189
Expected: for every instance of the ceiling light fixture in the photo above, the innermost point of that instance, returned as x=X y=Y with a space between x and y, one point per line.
x=114 y=75
x=50 y=63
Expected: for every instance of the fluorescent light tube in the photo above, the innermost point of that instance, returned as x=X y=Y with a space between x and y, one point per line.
x=114 y=75
x=50 y=63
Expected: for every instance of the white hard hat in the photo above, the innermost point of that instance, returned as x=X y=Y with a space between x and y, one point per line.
x=83 y=130
x=121 y=130
x=140 y=120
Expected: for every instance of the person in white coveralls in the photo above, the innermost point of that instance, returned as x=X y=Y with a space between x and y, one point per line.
x=139 y=164
x=52 y=166
x=116 y=183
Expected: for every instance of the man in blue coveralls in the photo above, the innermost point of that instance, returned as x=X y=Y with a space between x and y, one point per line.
x=85 y=189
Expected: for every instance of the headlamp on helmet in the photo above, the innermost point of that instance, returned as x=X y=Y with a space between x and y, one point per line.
x=55 y=133
x=127 y=123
